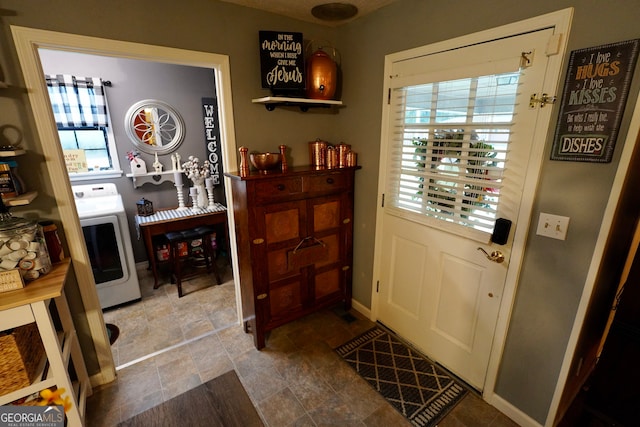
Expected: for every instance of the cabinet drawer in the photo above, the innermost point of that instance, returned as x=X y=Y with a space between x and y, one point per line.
x=277 y=189
x=325 y=183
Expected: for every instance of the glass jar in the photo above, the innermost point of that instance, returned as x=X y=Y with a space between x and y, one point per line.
x=23 y=247
x=54 y=245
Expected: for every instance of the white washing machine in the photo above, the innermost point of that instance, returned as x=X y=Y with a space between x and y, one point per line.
x=106 y=233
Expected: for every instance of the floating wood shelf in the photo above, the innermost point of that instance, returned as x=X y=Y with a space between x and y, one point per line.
x=20 y=200
x=12 y=153
x=271 y=102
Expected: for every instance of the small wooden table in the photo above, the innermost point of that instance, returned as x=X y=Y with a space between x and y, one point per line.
x=166 y=220
x=62 y=347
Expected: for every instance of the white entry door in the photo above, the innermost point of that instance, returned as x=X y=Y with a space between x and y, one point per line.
x=459 y=136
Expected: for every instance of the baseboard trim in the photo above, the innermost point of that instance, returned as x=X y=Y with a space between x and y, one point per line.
x=361 y=309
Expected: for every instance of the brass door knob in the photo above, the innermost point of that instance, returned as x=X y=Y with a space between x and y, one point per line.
x=495 y=256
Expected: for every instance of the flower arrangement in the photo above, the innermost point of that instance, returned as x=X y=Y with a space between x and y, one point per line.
x=54 y=398
x=194 y=171
x=133 y=155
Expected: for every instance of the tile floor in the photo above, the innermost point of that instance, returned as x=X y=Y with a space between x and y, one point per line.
x=169 y=345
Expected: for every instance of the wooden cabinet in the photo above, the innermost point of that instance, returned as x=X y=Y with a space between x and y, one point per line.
x=294 y=232
x=64 y=366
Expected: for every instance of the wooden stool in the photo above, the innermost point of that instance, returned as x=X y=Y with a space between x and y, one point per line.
x=209 y=252
x=178 y=239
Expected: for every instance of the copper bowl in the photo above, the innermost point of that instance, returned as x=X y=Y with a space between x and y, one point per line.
x=265 y=161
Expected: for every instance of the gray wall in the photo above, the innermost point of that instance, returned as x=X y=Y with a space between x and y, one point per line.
x=132 y=80
x=553 y=273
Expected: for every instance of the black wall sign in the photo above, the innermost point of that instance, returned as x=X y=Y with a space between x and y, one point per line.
x=282 y=61
x=212 y=137
x=593 y=101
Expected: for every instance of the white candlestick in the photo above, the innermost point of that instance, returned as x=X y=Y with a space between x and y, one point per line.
x=181 y=205
x=212 y=203
x=193 y=192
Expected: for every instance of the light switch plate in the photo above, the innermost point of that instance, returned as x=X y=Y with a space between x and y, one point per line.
x=553 y=226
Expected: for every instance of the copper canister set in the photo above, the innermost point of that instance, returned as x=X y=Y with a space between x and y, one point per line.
x=324 y=155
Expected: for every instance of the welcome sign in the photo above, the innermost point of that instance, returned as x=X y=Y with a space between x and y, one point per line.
x=593 y=101
x=212 y=137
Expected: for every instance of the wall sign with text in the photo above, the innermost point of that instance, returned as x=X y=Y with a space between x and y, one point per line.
x=595 y=93
x=212 y=137
x=282 y=61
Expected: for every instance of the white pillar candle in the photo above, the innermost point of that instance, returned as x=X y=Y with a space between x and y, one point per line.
x=208 y=183
x=177 y=177
x=193 y=191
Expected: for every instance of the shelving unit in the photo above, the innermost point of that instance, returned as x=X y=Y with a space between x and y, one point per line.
x=32 y=304
x=21 y=199
x=271 y=102
x=150 y=177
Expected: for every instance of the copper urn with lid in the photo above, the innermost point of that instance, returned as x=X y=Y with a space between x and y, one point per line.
x=322 y=76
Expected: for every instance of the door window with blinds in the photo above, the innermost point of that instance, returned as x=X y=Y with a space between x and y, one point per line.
x=449 y=148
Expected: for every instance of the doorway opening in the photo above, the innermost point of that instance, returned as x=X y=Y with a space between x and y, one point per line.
x=28 y=41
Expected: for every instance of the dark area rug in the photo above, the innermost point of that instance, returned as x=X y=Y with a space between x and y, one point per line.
x=113 y=332
x=415 y=386
x=221 y=402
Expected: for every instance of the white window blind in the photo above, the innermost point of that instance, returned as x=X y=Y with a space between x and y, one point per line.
x=449 y=148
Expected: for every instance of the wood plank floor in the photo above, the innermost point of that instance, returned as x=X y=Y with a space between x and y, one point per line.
x=220 y=402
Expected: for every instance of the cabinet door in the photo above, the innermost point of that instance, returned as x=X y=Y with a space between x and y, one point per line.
x=281 y=226
x=326 y=223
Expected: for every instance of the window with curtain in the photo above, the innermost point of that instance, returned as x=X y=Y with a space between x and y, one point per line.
x=450 y=141
x=81 y=114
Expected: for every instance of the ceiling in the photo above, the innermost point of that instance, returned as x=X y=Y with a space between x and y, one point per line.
x=301 y=9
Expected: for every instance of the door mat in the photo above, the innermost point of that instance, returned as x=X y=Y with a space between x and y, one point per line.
x=413 y=385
